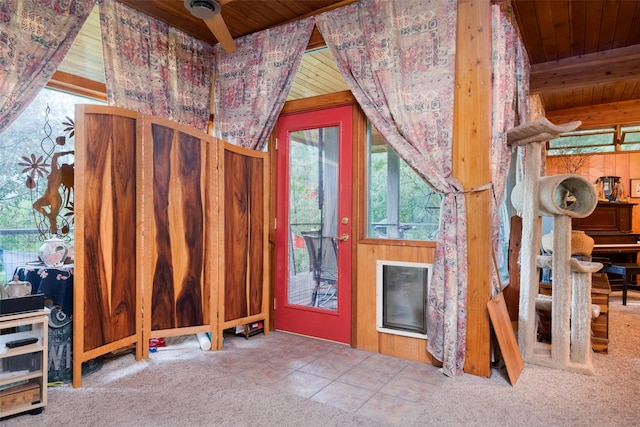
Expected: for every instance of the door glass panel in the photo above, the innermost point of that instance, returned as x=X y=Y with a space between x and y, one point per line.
x=313 y=218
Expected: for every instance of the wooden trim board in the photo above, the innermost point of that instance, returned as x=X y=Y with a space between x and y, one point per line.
x=506 y=337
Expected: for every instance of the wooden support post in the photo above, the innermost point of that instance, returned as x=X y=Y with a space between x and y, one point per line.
x=471 y=166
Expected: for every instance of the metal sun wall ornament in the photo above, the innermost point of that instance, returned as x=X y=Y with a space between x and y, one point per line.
x=53 y=206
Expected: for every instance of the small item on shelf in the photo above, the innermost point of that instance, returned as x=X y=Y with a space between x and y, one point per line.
x=53 y=252
x=609 y=187
x=581 y=243
x=618 y=192
x=21 y=304
x=21 y=342
x=16 y=288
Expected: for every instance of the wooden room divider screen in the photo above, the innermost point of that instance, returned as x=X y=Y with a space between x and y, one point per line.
x=151 y=257
x=107 y=302
x=245 y=261
x=180 y=230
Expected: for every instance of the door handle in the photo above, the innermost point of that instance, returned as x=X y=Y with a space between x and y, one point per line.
x=344 y=237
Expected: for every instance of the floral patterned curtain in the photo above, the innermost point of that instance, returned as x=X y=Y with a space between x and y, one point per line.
x=252 y=84
x=398 y=59
x=154 y=68
x=35 y=36
x=510 y=84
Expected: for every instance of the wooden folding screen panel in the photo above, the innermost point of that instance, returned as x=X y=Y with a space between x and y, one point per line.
x=244 y=266
x=107 y=295
x=180 y=230
x=149 y=195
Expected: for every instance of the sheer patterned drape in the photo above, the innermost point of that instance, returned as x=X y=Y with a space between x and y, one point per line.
x=35 y=36
x=252 y=84
x=154 y=68
x=510 y=83
x=398 y=59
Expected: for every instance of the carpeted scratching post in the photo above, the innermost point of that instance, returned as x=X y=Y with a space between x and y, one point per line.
x=563 y=197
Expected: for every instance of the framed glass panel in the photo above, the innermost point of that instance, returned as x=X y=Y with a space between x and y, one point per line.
x=584 y=140
x=34 y=134
x=402 y=293
x=630 y=138
x=313 y=217
x=400 y=205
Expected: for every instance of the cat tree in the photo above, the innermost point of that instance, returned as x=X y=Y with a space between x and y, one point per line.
x=562 y=197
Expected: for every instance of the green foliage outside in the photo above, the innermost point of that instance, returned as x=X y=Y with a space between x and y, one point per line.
x=304 y=209
x=34 y=132
x=596 y=141
x=419 y=205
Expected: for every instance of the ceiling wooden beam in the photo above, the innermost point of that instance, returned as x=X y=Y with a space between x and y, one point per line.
x=599 y=115
x=606 y=67
x=322 y=10
x=79 y=85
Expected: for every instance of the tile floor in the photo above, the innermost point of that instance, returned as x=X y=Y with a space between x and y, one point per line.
x=386 y=389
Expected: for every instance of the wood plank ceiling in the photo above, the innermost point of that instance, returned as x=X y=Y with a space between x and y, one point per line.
x=317 y=75
x=584 y=53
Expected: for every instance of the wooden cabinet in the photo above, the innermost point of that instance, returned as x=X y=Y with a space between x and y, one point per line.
x=609 y=223
x=600 y=291
x=607 y=216
x=23 y=378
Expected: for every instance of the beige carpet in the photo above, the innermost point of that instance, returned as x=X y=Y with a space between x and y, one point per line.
x=185 y=386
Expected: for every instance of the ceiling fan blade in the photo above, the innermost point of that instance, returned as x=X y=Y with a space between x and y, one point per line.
x=221 y=32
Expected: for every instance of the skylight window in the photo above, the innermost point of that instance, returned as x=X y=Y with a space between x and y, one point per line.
x=603 y=140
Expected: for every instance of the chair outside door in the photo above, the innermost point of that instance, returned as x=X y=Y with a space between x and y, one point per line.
x=323 y=263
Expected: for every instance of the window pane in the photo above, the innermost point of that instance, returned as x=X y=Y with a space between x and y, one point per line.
x=33 y=133
x=634 y=128
x=630 y=137
x=582 y=140
x=581 y=150
x=400 y=204
x=630 y=147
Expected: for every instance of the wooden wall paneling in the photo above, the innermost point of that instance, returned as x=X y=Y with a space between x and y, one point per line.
x=368 y=338
x=618 y=164
x=179 y=230
x=107 y=294
x=593 y=116
x=406 y=348
x=244 y=253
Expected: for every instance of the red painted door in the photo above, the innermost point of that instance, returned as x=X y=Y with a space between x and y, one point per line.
x=313 y=228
